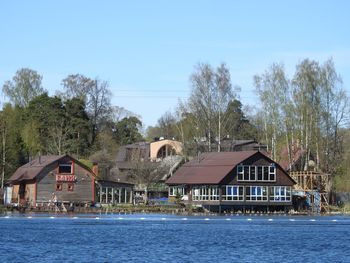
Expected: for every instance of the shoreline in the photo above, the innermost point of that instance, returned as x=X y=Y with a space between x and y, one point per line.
x=152 y=210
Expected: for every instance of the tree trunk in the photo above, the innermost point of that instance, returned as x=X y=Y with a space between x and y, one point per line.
x=3 y=157
x=288 y=148
x=266 y=136
x=219 y=135
x=209 y=136
x=146 y=195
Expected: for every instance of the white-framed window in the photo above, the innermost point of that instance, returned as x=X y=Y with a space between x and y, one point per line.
x=232 y=193
x=195 y=194
x=213 y=193
x=240 y=172
x=65 y=168
x=280 y=194
x=272 y=173
x=205 y=193
x=174 y=190
x=252 y=173
x=256 y=193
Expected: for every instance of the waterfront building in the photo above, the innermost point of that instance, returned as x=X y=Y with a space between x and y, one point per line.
x=53 y=178
x=62 y=179
x=114 y=189
x=243 y=180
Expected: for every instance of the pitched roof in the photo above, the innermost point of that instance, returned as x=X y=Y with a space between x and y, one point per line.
x=296 y=154
x=211 y=168
x=31 y=170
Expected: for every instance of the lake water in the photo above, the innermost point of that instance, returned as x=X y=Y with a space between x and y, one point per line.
x=165 y=238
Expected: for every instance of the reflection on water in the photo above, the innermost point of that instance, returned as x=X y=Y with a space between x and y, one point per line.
x=170 y=238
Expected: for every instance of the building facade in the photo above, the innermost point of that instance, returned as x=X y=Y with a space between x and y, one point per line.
x=50 y=179
x=112 y=192
x=245 y=180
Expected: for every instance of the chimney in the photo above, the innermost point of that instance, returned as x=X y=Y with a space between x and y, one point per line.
x=95 y=169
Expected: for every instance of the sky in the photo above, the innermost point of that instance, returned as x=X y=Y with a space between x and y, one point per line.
x=147 y=50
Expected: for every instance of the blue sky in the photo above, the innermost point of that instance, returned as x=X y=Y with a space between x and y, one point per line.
x=148 y=49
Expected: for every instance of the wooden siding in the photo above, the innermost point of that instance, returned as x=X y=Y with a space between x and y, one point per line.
x=83 y=186
x=29 y=194
x=15 y=190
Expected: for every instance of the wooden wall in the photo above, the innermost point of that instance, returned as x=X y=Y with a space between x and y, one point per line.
x=83 y=187
x=29 y=194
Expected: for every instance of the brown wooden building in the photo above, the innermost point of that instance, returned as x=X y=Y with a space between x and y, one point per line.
x=245 y=180
x=50 y=179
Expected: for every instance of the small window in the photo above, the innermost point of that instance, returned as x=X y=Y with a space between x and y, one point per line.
x=65 y=168
x=252 y=173
x=58 y=187
x=70 y=187
x=246 y=173
x=260 y=173
x=266 y=173
x=240 y=172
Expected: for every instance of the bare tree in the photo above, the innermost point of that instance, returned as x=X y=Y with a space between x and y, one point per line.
x=224 y=95
x=99 y=105
x=97 y=97
x=76 y=86
x=273 y=88
x=307 y=98
x=167 y=124
x=201 y=99
x=335 y=113
x=119 y=113
x=144 y=172
x=210 y=94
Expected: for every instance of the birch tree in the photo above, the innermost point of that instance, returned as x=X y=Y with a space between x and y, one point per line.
x=224 y=95
x=201 y=99
x=272 y=87
x=335 y=113
x=307 y=100
x=24 y=86
x=210 y=94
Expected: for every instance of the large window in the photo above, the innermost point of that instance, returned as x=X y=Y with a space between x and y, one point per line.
x=280 y=193
x=256 y=193
x=205 y=193
x=232 y=193
x=256 y=173
x=174 y=190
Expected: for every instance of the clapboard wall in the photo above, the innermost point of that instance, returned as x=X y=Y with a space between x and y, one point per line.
x=83 y=186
